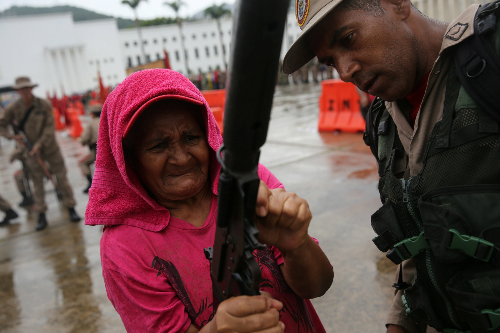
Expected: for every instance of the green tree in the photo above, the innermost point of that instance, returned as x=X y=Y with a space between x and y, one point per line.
x=134 y=4
x=216 y=12
x=176 y=6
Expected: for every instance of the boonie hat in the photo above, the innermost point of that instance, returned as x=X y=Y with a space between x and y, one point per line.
x=308 y=13
x=23 y=82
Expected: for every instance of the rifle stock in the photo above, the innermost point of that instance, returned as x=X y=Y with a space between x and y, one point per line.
x=256 y=46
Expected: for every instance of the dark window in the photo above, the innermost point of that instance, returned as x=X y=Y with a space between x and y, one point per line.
x=148 y=59
x=213 y=34
x=174 y=38
x=157 y=56
x=135 y=43
x=129 y=59
x=209 y=68
x=126 y=44
x=215 y=50
x=145 y=42
x=139 y=60
x=207 y=51
x=155 y=41
x=196 y=54
x=223 y=49
x=186 y=54
x=194 y=36
x=204 y=35
x=111 y=59
x=222 y=33
x=164 y=40
x=229 y=32
x=177 y=55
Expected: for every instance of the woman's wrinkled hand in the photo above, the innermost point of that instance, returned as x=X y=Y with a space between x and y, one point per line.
x=282 y=218
x=245 y=314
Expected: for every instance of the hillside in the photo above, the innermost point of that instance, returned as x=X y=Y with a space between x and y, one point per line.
x=80 y=14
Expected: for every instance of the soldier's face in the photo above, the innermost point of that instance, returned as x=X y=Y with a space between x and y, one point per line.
x=378 y=53
x=25 y=93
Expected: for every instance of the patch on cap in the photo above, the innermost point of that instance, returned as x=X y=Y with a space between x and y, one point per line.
x=301 y=11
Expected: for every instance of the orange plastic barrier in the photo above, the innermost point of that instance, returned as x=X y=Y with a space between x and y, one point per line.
x=57 y=119
x=75 y=129
x=219 y=116
x=215 y=98
x=79 y=107
x=339 y=108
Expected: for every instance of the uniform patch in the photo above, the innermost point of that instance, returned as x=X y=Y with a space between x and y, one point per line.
x=301 y=11
x=457 y=31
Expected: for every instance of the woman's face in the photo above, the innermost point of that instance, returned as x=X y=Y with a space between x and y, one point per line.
x=171 y=153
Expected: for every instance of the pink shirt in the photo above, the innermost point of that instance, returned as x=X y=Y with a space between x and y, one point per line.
x=177 y=291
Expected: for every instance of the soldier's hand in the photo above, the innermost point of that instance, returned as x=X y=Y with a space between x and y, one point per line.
x=35 y=150
x=282 y=218
x=18 y=137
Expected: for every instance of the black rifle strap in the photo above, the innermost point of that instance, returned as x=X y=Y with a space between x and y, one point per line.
x=20 y=126
x=478 y=65
x=370 y=134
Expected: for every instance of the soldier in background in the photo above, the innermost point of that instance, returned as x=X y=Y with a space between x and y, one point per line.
x=89 y=138
x=33 y=122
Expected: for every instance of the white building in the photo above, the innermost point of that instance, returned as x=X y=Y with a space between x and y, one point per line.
x=65 y=56
x=59 y=54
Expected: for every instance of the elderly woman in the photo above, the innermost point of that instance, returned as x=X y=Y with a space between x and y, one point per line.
x=155 y=192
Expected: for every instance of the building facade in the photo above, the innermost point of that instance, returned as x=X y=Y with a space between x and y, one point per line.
x=63 y=56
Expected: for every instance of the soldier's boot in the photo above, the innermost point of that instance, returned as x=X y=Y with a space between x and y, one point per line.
x=9 y=215
x=42 y=222
x=89 y=178
x=73 y=216
x=27 y=200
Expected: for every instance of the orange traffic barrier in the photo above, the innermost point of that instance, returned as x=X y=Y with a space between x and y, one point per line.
x=75 y=129
x=79 y=107
x=215 y=98
x=57 y=119
x=219 y=116
x=339 y=108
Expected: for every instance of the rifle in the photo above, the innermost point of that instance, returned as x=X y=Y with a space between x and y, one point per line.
x=29 y=146
x=256 y=46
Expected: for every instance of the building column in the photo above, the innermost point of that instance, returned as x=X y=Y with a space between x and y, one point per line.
x=63 y=85
x=52 y=74
x=68 y=70
x=76 y=68
x=81 y=63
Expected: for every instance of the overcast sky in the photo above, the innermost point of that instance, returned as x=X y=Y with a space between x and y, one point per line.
x=146 y=10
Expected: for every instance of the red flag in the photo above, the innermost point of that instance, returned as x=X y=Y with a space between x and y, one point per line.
x=103 y=92
x=167 y=62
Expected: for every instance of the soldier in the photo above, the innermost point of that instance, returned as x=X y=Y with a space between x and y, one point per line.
x=89 y=137
x=21 y=176
x=33 y=122
x=10 y=214
x=434 y=130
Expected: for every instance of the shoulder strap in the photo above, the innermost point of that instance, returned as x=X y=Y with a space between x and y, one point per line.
x=478 y=65
x=372 y=118
x=26 y=115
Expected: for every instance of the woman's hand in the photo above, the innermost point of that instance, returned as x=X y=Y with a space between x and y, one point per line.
x=282 y=218
x=246 y=314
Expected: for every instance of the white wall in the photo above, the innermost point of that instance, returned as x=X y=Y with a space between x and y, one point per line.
x=58 y=54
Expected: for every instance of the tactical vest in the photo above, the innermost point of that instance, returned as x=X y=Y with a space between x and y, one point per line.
x=447 y=218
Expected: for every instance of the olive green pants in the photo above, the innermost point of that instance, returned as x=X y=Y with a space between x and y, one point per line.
x=4 y=205
x=58 y=169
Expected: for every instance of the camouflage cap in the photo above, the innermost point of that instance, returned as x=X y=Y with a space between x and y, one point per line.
x=308 y=13
x=23 y=82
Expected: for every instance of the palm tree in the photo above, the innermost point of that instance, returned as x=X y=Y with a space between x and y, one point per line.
x=216 y=12
x=133 y=4
x=175 y=6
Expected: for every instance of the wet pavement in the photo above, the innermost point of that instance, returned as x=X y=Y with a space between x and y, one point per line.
x=50 y=281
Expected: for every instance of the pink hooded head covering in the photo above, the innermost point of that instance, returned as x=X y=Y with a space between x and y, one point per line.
x=117 y=197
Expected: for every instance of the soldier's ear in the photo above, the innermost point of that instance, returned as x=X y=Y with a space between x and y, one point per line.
x=399 y=8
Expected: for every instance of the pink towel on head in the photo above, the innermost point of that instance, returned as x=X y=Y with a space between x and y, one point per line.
x=116 y=196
